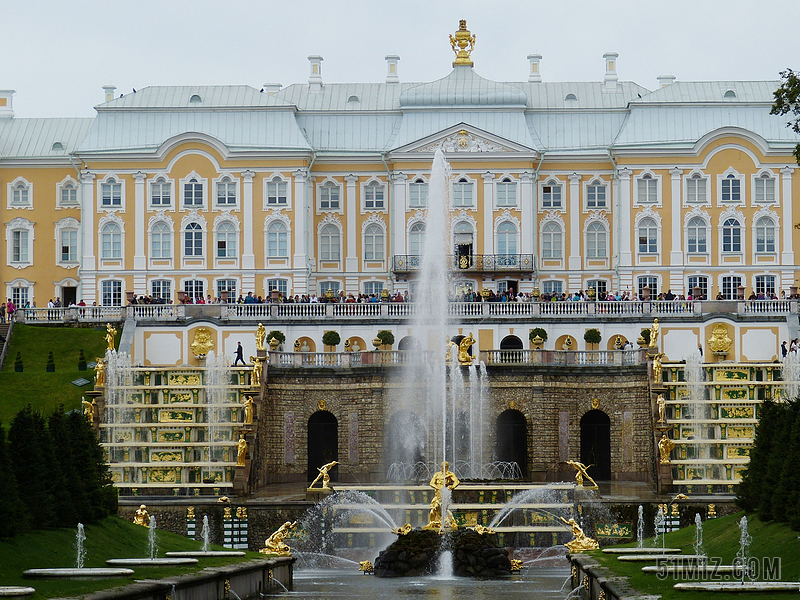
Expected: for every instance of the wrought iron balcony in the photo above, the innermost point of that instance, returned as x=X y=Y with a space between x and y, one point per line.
x=478 y=263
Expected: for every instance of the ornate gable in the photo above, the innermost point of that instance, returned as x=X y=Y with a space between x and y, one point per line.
x=463 y=139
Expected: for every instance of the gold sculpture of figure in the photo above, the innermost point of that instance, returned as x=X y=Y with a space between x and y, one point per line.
x=481 y=530
x=404 y=530
x=462 y=40
x=618 y=343
x=580 y=542
x=100 y=372
x=657 y=370
x=241 y=451
x=323 y=473
x=274 y=544
x=110 y=333
x=248 y=410
x=88 y=410
x=141 y=516
x=655 y=328
x=258 y=368
x=581 y=473
x=516 y=565
x=444 y=478
x=665 y=446
x=463 y=350
x=662 y=408
x=261 y=335
x=366 y=567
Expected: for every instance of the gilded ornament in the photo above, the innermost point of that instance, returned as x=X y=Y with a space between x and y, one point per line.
x=481 y=530
x=141 y=516
x=404 y=530
x=665 y=446
x=567 y=343
x=261 y=335
x=463 y=350
x=274 y=343
x=190 y=513
x=110 y=333
x=322 y=405
x=719 y=342
x=100 y=372
x=202 y=343
x=323 y=473
x=595 y=403
x=581 y=473
x=241 y=451
x=258 y=368
x=538 y=341
x=580 y=541
x=662 y=406
x=712 y=511
x=516 y=565
x=657 y=368
x=463 y=43
x=444 y=478
x=88 y=410
x=248 y=410
x=366 y=567
x=512 y=405
x=655 y=328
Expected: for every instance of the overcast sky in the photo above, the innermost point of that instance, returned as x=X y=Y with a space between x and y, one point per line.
x=58 y=54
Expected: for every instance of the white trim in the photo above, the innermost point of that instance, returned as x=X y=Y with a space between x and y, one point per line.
x=236 y=181
x=226 y=261
x=67 y=224
x=162 y=177
x=741 y=275
x=19 y=224
x=68 y=180
x=269 y=178
x=585 y=195
x=766 y=211
x=373 y=219
x=545 y=181
x=647 y=174
x=742 y=189
x=277 y=216
x=417 y=217
x=499 y=180
x=111 y=217
x=596 y=217
x=318 y=203
x=182 y=183
x=19 y=181
x=412 y=179
x=363 y=189
x=194 y=217
x=100 y=289
x=110 y=178
x=20 y=282
x=648 y=213
x=473 y=183
x=507 y=217
x=696 y=174
x=553 y=216
x=731 y=213
x=761 y=175
x=161 y=217
x=330 y=219
x=697 y=211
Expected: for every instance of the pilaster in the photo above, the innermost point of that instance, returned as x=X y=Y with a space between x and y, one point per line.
x=139 y=232
x=574 y=223
x=300 y=233
x=676 y=254
x=248 y=258
x=350 y=213
x=400 y=199
x=88 y=291
x=528 y=229
x=625 y=225
x=787 y=254
x=488 y=211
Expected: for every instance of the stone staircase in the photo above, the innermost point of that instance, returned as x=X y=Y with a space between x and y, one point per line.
x=5 y=332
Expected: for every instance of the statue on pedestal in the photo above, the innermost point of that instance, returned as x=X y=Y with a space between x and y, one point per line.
x=655 y=328
x=581 y=541
x=463 y=350
x=141 y=516
x=241 y=451
x=665 y=446
x=657 y=369
x=100 y=372
x=110 y=333
x=261 y=335
x=662 y=407
x=581 y=473
x=248 y=410
x=275 y=545
x=441 y=479
x=323 y=473
x=88 y=410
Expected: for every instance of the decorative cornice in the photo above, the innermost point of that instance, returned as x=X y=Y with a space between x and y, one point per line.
x=552 y=216
x=765 y=212
x=248 y=175
x=373 y=219
x=300 y=175
x=648 y=212
x=574 y=178
x=462 y=141
x=418 y=217
x=161 y=217
x=697 y=212
x=193 y=217
x=139 y=176
x=19 y=223
x=462 y=217
x=111 y=217
x=731 y=213
x=675 y=172
x=506 y=217
x=596 y=216
x=68 y=222
x=277 y=215
x=351 y=179
x=226 y=217
x=330 y=219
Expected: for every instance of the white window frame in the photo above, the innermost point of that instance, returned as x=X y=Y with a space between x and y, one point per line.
x=161 y=281
x=227 y=179
x=695 y=177
x=67 y=225
x=195 y=280
x=690 y=287
x=334 y=284
x=707 y=240
x=218 y=282
x=170 y=233
x=277 y=281
x=501 y=188
x=649 y=277
x=731 y=175
x=19 y=226
x=551 y=182
x=415 y=231
x=515 y=238
x=201 y=223
x=161 y=179
x=277 y=178
x=595 y=182
x=645 y=221
x=68 y=183
x=417 y=184
x=14 y=290
x=762 y=276
x=600 y=285
x=111 y=179
x=330 y=257
x=724 y=219
x=375 y=256
x=549 y=285
x=374 y=286
x=288 y=241
x=763 y=177
x=757 y=219
x=20 y=184
x=374 y=184
x=110 y=281
x=651 y=177
x=458 y=191
x=219 y=222
x=734 y=290
x=101 y=232
x=605 y=231
x=329 y=184
x=197 y=180
x=555 y=253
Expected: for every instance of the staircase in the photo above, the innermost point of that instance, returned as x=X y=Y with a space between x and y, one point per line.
x=5 y=331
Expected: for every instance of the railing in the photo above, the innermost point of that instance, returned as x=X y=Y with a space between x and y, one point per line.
x=766 y=307
x=406 y=263
x=86 y=314
x=564 y=357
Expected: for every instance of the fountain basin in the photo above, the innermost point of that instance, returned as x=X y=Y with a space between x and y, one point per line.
x=150 y=562
x=641 y=550
x=74 y=573
x=205 y=554
x=666 y=558
x=746 y=587
x=16 y=591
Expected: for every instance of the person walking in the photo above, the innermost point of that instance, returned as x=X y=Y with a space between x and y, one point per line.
x=239 y=355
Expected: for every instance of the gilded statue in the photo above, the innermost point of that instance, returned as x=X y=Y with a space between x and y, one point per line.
x=655 y=328
x=516 y=565
x=481 y=530
x=618 y=343
x=100 y=372
x=657 y=369
x=141 y=516
x=202 y=343
x=248 y=410
x=719 y=342
x=665 y=446
x=582 y=473
x=662 y=408
x=241 y=451
x=258 y=368
x=366 y=567
x=274 y=544
x=463 y=43
x=441 y=479
x=404 y=530
x=323 y=473
x=261 y=335
x=88 y=410
x=463 y=350
x=110 y=333
x=580 y=542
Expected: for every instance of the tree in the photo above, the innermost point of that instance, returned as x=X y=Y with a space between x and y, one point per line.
x=28 y=462
x=9 y=494
x=91 y=467
x=538 y=331
x=787 y=100
x=60 y=434
x=386 y=337
x=592 y=336
x=750 y=489
x=331 y=338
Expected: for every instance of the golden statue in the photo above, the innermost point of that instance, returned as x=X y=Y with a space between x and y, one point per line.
x=657 y=370
x=110 y=333
x=323 y=473
x=141 y=516
x=261 y=335
x=580 y=542
x=516 y=565
x=273 y=344
x=100 y=372
x=719 y=342
x=404 y=530
x=463 y=350
x=248 y=410
x=202 y=343
x=662 y=408
x=258 y=368
x=618 y=343
x=241 y=451
x=665 y=446
x=463 y=43
x=366 y=567
x=274 y=544
x=481 y=530
x=444 y=478
x=581 y=472
x=88 y=410
x=655 y=328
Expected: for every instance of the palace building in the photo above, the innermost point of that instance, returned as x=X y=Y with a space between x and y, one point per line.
x=225 y=190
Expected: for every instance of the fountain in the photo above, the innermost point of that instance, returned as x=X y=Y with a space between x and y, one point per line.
x=790 y=373
x=152 y=559
x=640 y=527
x=698 y=535
x=205 y=534
x=80 y=551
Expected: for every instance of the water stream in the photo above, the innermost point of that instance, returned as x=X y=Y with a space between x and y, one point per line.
x=205 y=532
x=152 y=539
x=80 y=549
x=640 y=527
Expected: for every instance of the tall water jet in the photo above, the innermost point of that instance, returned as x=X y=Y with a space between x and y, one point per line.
x=658 y=523
x=205 y=532
x=742 y=560
x=697 y=408
x=640 y=527
x=790 y=373
x=698 y=535
x=152 y=539
x=217 y=384
x=475 y=424
x=80 y=549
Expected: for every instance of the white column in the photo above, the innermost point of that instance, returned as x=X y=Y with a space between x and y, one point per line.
x=527 y=228
x=88 y=289
x=248 y=258
x=625 y=224
x=574 y=222
x=350 y=214
x=300 y=231
x=400 y=199
x=676 y=254
x=787 y=227
x=139 y=233
x=488 y=213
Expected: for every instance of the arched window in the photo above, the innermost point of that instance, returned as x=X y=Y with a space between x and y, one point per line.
x=277 y=240
x=329 y=243
x=696 y=188
x=731 y=189
x=193 y=240
x=648 y=236
x=551 y=194
x=596 y=195
x=506 y=238
x=373 y=242
x=226 y=192
x=696 y=233
x=765 y=188
x=226 y=240
x=551 y=240
x=19 y=194
x=418 y=193
x=69 y=194
x=161 y=241
x=111 y=239
x=111 y=193
x=329 y=196
x=277 y=192
x=596 y=240
x=160 y=192
x=731 y=236
x=765 y=235
x=416 y=239
x=647 y=188
x=373 y=196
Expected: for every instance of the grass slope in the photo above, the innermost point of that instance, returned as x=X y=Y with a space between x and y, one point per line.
x=45 y=391
x=111 y=538
x=720 y=539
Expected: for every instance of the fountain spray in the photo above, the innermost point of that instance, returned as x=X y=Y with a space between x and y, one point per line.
x=152 y=540
x=742 y=559
x=659 y=525
x=205 y=533
x=698 y=535
x=80 y=550
x=640 y=527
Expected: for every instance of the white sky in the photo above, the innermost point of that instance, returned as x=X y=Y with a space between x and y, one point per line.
x=58 y=54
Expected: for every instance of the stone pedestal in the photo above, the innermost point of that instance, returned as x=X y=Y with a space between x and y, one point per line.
x=241 y=485
x=664 y=478
x=317 y=494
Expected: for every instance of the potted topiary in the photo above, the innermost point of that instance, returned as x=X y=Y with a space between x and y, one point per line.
x=50 y=367
x=18 y=363
x=81 y=361
x=331 y=338
x=275 y=335
x=592 y=336
x=537 y=336
x=644 y=338
x=386 y=337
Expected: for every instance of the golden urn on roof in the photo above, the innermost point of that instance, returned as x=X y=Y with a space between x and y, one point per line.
x=463 y=43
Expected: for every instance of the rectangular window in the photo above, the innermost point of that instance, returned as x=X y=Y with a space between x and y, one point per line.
x=282 y=285
x=418 y=194
x=698 y=281
x=596 y=196
x=648 y=281
x=551 y=196
x=276 y=193
x=373 y=197
x=226 y=193
x=193 y=193
x=112 y=293
x=20 y=296
x=553 y=286
x=506 y=194
x=600 y=286
x=111 y=194
x=696 y=189
x=373 y=287
x=324 y=286
x=329 y=197
x=194 y=288
x=161 y=289
x=462 y=194
x=227 y=285
x=731 y=189
x=765 y=189
x=69 y=194
x=765 y=284
x=69 y=246
x=161 y=194
x=647 y=189
x=20 y=194
x=730 y=287
x=19 y=246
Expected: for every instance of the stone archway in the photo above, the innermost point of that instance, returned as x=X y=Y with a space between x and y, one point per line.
x=596 y=444
x=511 y=342
x=512 y=439
x=323 y=443
x=408 y=343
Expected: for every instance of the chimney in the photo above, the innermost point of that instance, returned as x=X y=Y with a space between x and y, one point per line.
x=7 y=104
x=272 y=88
x=391 y=73
x=610 y=80
x=534 y=74
x=315 y=77
x=109 y=90
x=665 y=80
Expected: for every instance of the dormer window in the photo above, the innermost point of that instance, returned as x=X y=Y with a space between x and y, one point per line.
x=195 y=99
x=57 y=146
x=570 y=98
x=353 y=100
x=729 y=94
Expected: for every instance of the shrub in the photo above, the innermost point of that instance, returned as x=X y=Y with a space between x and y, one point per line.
x=645 y=335
x=386 y=337
x=81 y=361
x=331 y=338
x=592 y=336
x=278 y=335
x=50 y=367
x=18 y=363
x=538 y=331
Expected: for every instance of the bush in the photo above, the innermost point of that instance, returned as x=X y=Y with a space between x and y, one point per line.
x=331 y=338
x=50 y=367
x=81 y=361
x=645 y=335
x=18 y=363
x=278 y=335
x=386 y=337
x=592 y=336
x=538 y=331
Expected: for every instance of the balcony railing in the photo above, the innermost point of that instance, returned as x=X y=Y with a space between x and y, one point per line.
x=482 y=263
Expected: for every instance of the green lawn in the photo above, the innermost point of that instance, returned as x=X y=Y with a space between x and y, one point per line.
x=721 y=539
x=34 y=385
x=111 y=538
